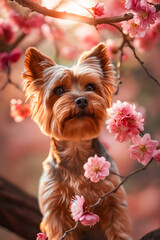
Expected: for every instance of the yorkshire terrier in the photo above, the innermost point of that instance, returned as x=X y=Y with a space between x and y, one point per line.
x=69 y=105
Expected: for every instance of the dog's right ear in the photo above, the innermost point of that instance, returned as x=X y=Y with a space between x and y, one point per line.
x=35 y=63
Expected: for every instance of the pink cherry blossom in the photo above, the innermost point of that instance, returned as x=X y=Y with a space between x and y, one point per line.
x=14 y=55
x=98 y=9
x=81 y=213
x=125 y=122
x=9 y=58
x=17 y=19
x=6 y=32
x=27 y=23
x=145 y=14
x=41 y=236
x=35 y=21
x=97 y=168
x=89 y=219
x=131 y=4
x=143 y=148
x=133 y=29
x=18 y=110
x=77 y=207
x=156 y=155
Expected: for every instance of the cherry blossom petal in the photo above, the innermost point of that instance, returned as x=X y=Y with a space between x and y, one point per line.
x=41 y=236
x=76 y=208
x=143 y=148
x=89 y=219
x=96 y=168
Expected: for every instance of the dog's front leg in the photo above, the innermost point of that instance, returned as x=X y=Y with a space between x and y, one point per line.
x=54 y=204
x=115 y=218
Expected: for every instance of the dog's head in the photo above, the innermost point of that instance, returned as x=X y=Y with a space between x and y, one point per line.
x=69 y=103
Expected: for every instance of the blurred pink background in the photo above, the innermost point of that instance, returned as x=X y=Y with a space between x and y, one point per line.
x=23 y=147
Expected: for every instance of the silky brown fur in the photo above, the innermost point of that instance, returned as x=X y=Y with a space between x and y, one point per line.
x=73 y=130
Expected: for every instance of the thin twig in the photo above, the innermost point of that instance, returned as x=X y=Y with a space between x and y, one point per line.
x=59 y=4
x=127 y=41
x=15 y=85
x=109 y=193
x=117 y=174
x=9 y=81
x=157 y=6
x=4 y=86
x=141 y=62
x=8 y=47
x=119 y=63
x=88 y=10
x=70 y=230
x=120 y=184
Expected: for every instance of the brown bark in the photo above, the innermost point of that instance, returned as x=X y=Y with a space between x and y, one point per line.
x=153 y=235
x=19 y=211
x=70 y=16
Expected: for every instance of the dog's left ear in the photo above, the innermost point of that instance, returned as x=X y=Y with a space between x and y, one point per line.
x=98 y=60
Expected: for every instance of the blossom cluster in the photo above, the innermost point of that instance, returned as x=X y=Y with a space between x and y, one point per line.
x=26 y=23
x=145 y=18
x=8 y=30
x=6 y=37
x=125 y=124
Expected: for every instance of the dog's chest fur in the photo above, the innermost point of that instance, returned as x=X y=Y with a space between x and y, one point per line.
x=63 y=175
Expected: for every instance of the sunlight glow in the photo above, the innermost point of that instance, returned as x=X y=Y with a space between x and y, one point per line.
x=70 y=6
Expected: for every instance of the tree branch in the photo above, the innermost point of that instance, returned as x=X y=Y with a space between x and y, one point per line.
x=9 y=47
x=91 y=21
x=107 y=194
x=19 y=211
x=127 y=41
x=141 y=62
x=153 y=235
x=9 y=81
x=120 y=184
x=70 y=16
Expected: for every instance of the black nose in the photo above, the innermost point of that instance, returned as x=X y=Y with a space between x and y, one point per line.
x=81 y=102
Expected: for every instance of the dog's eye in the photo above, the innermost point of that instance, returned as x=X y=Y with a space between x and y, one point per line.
x=90 y=87
x=58 y=91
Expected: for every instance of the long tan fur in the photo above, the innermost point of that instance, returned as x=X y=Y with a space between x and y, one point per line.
x=53 y=91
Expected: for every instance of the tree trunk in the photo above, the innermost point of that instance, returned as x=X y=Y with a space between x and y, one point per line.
x=19 y=211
